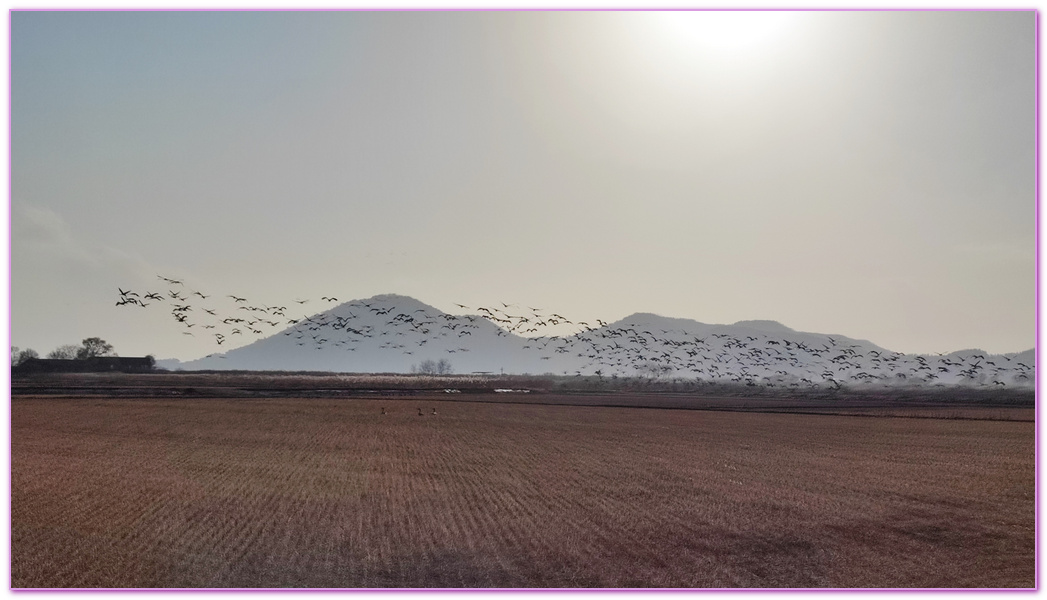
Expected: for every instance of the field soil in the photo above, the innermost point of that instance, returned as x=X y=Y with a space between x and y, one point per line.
x=329 y=492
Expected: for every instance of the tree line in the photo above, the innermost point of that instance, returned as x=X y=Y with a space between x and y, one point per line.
x=433 y=367
x=88 y=348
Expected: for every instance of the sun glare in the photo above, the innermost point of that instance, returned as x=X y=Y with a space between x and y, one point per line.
x=728 y=31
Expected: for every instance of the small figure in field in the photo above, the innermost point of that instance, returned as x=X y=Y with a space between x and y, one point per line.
x=434 y=411
x=420 y=412
x=383 y=410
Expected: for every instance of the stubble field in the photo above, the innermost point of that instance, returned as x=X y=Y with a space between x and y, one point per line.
x=319 y=492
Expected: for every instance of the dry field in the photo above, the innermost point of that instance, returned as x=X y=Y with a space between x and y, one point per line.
x=330 y=493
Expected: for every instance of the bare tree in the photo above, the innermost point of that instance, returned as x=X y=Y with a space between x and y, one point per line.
x=426 y=367
x=443 y=367
x=25 y=355
x=66 y=352
x=433 y=367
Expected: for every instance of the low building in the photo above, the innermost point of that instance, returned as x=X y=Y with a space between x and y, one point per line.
x=97 y=364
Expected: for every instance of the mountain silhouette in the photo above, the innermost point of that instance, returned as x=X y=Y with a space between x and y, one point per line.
x=391 y=333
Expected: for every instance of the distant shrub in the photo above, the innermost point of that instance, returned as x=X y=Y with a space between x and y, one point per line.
x=433 y=367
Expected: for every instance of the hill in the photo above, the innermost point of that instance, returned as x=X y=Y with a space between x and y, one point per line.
x=395 y=334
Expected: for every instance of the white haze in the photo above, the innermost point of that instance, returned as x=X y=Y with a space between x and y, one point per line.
x=868 y=174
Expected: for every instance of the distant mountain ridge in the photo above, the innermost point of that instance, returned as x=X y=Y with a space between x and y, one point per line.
x=768 y=326
x=394 y=333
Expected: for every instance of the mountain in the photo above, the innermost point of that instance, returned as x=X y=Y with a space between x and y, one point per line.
x=765 y=326
x=393 y=333
x=385 y=333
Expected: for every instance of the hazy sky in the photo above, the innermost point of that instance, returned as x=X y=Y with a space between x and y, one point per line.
x=864 y=173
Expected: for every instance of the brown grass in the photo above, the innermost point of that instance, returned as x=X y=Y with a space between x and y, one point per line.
x=330 y=493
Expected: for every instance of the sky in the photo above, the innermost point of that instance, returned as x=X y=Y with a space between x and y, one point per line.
x=870 y=174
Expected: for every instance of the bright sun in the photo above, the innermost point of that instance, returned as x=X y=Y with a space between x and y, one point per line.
x=727 y=31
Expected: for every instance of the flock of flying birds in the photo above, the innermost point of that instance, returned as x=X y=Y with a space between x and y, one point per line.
x=595 y=348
